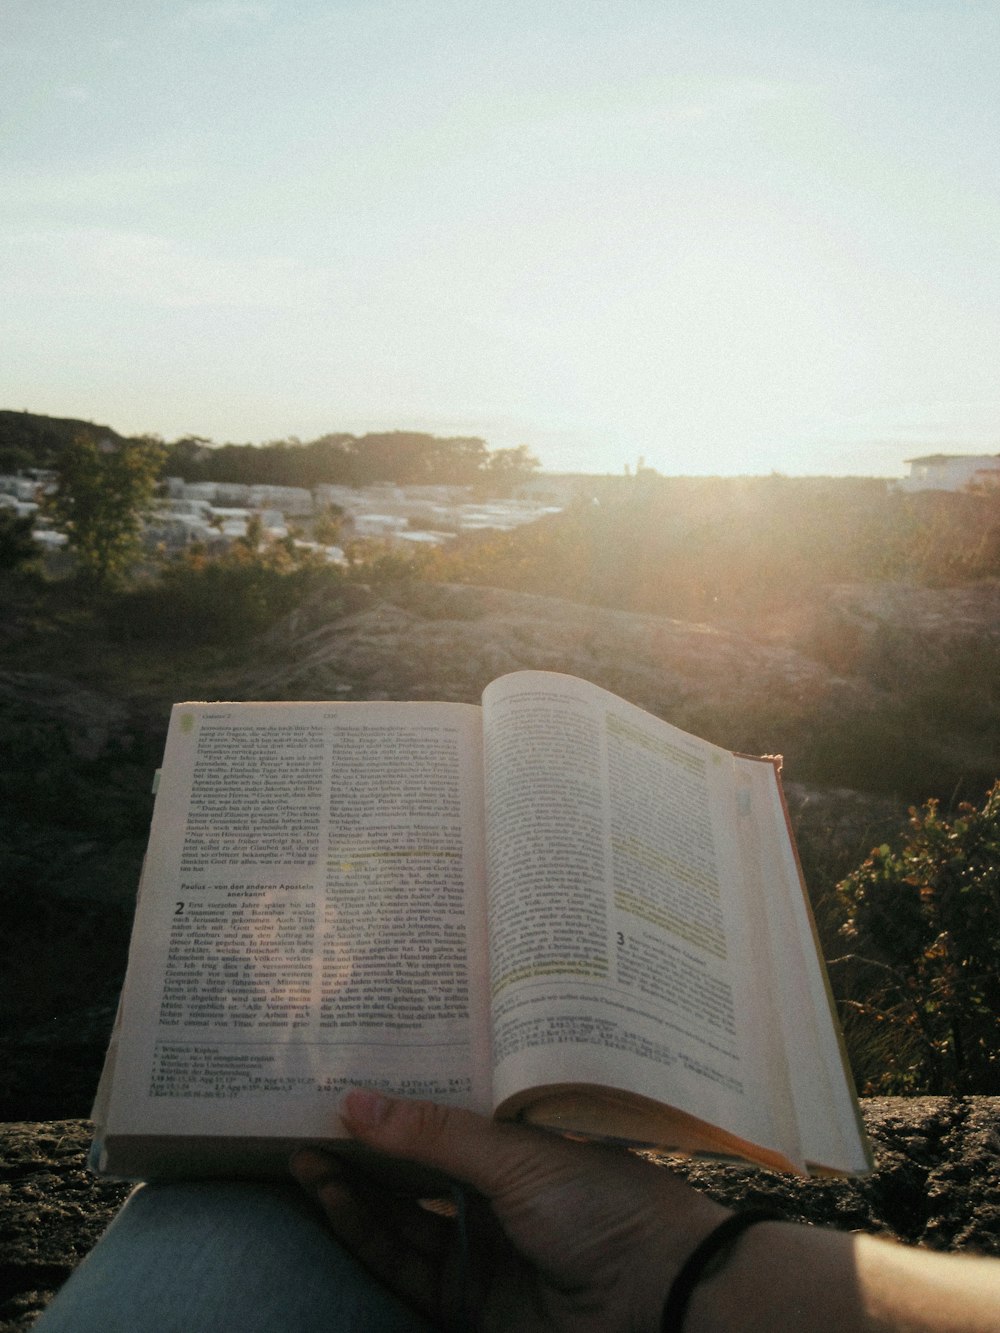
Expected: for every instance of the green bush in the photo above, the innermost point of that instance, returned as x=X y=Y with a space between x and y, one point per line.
x=102 y=491
x=920 y=987
x=17 y=545
x=379 y=563
x=226 y=598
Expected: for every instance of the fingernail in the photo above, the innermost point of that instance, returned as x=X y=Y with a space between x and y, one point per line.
x=365 y=1108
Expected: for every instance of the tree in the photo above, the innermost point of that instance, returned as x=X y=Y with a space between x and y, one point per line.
x=328 y=525
x=103 y=490
x=253 y=538
x=412 y=458
x=507 y=469
x=923 y=923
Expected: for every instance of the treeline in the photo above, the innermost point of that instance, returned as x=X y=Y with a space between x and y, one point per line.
x=28 y=440
x=403 y=458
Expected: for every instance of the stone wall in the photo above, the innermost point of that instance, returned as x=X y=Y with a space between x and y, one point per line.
x=936 y=1183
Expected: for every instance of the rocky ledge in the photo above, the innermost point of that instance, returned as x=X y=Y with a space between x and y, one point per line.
x=936 y=1183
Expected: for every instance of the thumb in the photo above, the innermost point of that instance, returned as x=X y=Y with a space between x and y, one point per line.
x=469 y=1148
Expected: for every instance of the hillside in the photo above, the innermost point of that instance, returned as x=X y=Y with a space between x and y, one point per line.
x=853 y=630
x=83 y=714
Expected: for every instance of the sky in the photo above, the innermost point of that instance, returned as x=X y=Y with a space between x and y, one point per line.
x=726 y=238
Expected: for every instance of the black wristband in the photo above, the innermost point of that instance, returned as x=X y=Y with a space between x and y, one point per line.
x=696 y=1264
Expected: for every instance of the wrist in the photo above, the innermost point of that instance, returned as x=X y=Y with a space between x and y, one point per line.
x=708 y=1258
x=682 y=1226
x=784 y=1275
x=735 y=1291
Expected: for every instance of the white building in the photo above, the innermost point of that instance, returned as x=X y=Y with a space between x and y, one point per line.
x=951 y=472
x=293 y=500
x=21 y=488
x=20 y=507
x=429 y=515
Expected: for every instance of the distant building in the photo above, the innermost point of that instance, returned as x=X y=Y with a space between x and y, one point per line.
x=178 y=489
x=23 y=487
x=21 y=508
x=294 y=500
x=218 y=512
x=951 y=472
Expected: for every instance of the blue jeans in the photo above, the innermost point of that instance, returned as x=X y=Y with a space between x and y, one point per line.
x=214 y=1256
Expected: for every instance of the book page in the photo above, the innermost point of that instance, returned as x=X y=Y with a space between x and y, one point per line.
x=312 y=918
x=624 y=952
x=819 y=1073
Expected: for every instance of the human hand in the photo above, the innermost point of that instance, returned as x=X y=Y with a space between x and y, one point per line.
x=561 y=1235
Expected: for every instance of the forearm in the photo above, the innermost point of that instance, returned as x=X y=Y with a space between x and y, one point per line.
x=813 y=1280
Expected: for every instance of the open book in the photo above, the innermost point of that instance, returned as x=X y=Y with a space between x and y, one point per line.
x=555 y=906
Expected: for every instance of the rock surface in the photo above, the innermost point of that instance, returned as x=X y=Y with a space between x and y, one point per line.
x=857 y=688
x=936 y=1183
x=443 y=641
x=73 y=829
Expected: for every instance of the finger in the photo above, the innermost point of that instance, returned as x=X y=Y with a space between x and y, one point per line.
x=492 y=1157
x=328 y=1178
x=408 y=1249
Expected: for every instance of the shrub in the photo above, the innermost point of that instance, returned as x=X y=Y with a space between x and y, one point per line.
x=379 y=563
x=921 y=985
x=17 y=546
x=225 y=598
